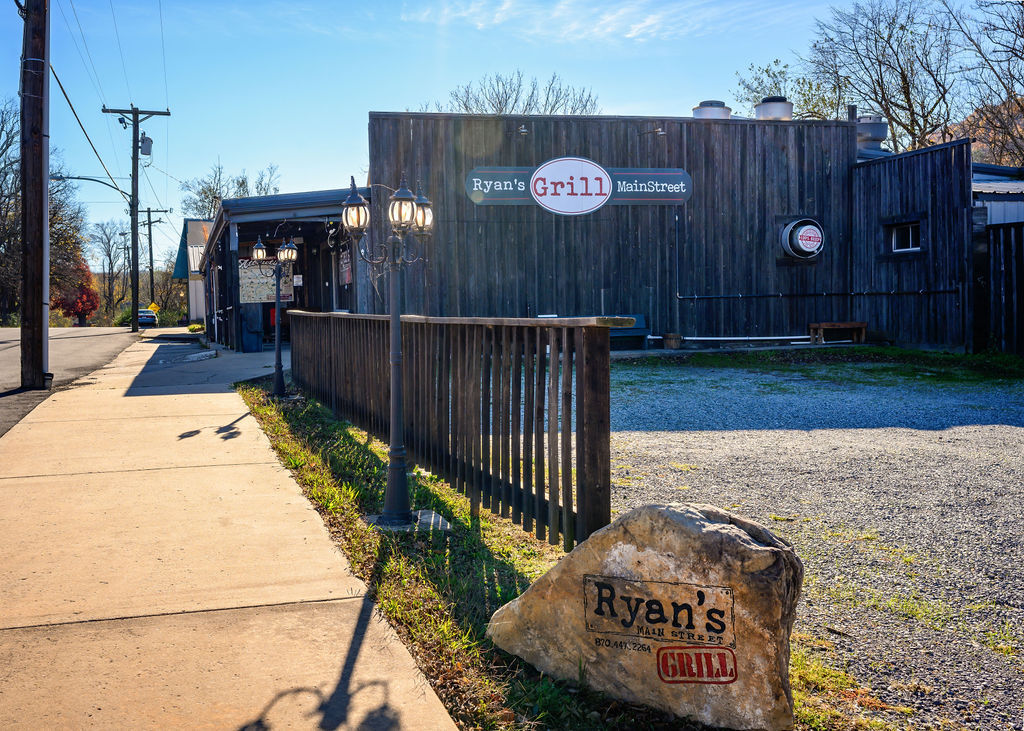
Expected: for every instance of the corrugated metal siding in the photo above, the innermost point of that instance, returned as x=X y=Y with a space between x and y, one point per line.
x=1004 y=211
x=195 y=254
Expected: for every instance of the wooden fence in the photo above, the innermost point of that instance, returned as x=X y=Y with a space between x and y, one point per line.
x=1006 y=287
x=514 y=413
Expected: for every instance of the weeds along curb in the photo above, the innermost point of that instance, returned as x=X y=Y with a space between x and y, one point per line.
x=438 y=591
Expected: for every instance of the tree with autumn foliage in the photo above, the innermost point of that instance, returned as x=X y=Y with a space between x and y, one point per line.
x=77 y=297
x=68 y=225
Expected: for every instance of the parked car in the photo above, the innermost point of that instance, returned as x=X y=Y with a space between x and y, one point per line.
x=147 y=317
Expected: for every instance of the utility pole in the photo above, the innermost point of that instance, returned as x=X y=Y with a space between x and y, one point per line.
x=137 y=115
x=149 y=223
x=35 y=205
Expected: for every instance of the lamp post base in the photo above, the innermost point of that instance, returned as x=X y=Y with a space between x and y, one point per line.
x=420 y=520
x=279 y=389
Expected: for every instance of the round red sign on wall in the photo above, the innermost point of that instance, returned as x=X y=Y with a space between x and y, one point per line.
x=809 y=238
x=803 y=238
x=571 y=186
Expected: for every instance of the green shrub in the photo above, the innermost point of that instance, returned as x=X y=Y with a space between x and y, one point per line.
x=123 y=319
x=197 y=327
x=170 y=318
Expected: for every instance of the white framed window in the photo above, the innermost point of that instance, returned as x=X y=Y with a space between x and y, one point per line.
x=905 y=236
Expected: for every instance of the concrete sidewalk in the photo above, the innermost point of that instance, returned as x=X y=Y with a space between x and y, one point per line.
x=160 y=568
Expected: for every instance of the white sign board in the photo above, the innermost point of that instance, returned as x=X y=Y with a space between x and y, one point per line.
x=256 y=281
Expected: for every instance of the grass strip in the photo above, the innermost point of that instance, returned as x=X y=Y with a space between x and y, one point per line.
x=926 y=365
x=439 y=591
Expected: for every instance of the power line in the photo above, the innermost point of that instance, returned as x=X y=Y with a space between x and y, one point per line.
x=166 y=173
x=150 y=182
x=82 y=126
x=95 y=72
x=120 y=50
x=145 y=172
x=88 y=53
x=92 y=80
x=110 y=135
x=166 y=235
x=163 y=52
x=167 y=100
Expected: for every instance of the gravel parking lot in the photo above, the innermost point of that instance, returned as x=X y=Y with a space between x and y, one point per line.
x=904 y=497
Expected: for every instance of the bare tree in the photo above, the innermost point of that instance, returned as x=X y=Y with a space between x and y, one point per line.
x=812 y=98
x=897 y=58
x=108 y=243
x=994 y=37
x=203 y=195
x=513 y=94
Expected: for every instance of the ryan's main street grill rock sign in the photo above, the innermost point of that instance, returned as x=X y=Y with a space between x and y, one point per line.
x=686 y=608
x=574 y=186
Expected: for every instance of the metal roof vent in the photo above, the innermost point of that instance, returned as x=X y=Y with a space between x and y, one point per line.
x=711 y=109
x=871 y=132
x=774 y=108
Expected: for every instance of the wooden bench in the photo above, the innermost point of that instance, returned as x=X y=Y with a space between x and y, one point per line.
x=639 y=329
x=856 y=331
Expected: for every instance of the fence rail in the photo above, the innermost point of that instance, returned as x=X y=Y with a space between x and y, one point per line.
x=1006 y=287
x=514 y=413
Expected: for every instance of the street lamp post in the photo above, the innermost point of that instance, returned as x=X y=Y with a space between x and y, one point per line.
x=407 y=213
x=286 y=254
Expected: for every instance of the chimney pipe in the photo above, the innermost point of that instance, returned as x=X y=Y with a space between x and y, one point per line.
x=774 y=108
x=711 y=109
x=871 y=132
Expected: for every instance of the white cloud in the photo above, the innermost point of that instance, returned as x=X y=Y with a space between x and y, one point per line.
x=626 y=20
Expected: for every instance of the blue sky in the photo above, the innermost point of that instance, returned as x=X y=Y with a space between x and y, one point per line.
x=290 y=83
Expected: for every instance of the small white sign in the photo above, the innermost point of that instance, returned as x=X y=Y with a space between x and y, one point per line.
x=297 y=280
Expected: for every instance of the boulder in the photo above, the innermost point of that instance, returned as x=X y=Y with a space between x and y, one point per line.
x=686 y=608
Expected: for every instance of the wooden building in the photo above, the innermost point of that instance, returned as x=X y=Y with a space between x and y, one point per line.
x=240 y=295
x=713 y=266
x=895 y=238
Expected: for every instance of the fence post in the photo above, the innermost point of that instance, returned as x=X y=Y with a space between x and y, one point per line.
x=595 y=413
x=490 y=407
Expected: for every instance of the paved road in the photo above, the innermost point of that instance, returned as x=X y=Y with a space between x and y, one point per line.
x=74 y=351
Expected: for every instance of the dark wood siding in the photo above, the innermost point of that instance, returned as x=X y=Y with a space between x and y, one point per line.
x=749 y=179
x=928 y=292
x=1005 y=277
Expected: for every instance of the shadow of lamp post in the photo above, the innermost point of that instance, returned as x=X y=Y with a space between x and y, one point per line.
x=286 y=254
x=407 y=214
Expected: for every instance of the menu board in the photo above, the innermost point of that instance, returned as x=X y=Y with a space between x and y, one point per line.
x=256 y=281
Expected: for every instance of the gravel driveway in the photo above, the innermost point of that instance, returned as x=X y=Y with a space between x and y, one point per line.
x=904 y=498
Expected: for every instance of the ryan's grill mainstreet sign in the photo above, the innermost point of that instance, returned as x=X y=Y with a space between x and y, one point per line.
x=573 y=186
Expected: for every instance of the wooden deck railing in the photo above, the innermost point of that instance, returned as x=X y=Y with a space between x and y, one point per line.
x=514 y=413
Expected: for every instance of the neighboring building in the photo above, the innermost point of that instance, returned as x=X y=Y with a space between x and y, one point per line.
x=194 y=233
x=240 y=295
x=1002 y=199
